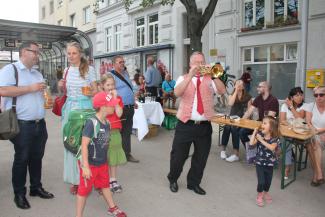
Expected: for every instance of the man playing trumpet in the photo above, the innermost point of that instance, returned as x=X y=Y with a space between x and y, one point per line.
x=195 y=111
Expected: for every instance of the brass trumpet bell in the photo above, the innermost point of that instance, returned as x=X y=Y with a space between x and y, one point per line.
x=215 y=71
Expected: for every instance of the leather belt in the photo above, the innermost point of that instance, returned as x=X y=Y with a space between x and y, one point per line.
x=129 y=106
x=37 y=121
x=197 y=122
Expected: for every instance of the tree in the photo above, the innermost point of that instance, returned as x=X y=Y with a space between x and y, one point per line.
x=195 y=18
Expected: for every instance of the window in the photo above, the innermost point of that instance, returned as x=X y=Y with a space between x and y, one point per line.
x=72 y=20
x=87 y=14
x=291 y=52
x=60 y=23
x=109 y=39
x=285 y=9
x=60 y=3
x=140 y=32
x=117 y=36
x=254 y=13
x=43 y=12
x=51 y=7
x=276 y=63
x=153 y=29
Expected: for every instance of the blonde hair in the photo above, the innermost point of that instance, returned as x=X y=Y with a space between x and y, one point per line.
x=84 y=66
x=104 y=78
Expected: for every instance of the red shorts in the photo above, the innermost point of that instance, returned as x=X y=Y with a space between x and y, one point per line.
x=99 y=179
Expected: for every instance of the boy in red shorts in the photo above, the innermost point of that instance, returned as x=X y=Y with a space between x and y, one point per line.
x=94 y=145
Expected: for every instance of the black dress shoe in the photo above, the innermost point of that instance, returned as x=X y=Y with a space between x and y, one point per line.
x=131 y=159
x=173 y=187
x=21 y=202
x=197 y=189
x=40 y=192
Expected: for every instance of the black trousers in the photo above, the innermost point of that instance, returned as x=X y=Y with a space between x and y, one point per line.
x=185 y=135
x=152 y=90
x=264 y=177
x=29 y=147
x=128 y=112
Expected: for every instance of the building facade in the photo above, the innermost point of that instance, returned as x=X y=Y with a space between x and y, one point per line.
x=278 y=39
x=74 y=13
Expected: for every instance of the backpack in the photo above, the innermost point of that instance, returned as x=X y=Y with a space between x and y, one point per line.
x=72 y=130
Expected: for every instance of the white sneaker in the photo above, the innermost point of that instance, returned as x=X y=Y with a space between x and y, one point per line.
x=223 y=155
x=232 y=158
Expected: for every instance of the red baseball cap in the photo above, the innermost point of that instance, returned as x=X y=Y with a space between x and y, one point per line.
x=104 y=99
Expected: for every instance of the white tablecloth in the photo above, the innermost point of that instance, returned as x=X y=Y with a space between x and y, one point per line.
x=147 y=113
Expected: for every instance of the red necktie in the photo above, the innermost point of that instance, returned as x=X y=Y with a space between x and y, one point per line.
x=199 y=109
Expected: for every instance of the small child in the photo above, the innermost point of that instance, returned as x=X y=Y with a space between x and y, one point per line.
x=268 y=143
x=93 y=164
x=168 y=89
x=116 y=155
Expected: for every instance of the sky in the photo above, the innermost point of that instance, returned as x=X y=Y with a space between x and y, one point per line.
x=19 y=10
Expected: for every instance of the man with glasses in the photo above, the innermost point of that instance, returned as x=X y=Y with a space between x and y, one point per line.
x=265 y=103
x=124 y=89
x=29 y=144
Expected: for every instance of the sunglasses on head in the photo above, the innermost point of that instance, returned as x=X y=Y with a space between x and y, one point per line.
x=319 y=95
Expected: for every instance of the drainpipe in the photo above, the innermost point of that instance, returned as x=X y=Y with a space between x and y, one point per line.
x=304 y=41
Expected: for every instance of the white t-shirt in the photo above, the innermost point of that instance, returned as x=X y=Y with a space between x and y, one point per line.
x=289 y=114
x=318 y=119
x=195 y=115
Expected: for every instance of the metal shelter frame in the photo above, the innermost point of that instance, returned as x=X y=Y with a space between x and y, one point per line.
x=55 y=36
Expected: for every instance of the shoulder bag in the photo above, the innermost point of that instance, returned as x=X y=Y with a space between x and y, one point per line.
x=60 y=100
x=122 y=79
x=8 y=119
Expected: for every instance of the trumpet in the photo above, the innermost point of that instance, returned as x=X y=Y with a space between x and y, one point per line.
x=215 y=71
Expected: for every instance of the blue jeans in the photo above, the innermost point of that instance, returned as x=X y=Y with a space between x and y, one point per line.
x=235 y=136
x=29 y=147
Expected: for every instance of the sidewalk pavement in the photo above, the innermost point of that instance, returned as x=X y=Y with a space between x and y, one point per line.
x=231 y=187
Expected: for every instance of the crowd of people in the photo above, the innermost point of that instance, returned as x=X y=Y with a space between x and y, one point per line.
x=106 y=137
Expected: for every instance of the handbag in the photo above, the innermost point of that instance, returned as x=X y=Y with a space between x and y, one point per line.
x=9 y=123
x=59 y=101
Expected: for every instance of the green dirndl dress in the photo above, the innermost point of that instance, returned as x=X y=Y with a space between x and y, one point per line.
x=115 y=154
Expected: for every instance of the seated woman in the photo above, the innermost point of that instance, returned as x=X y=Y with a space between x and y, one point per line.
x=168 y=89
x=138 y=84
x=315 y=117
x=291 y=109
x=238 y=101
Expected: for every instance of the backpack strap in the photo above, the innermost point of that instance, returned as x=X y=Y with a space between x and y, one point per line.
x=96 y=127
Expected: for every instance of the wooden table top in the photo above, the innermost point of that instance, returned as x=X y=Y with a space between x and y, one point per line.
x=285 y=131
x=244 y=123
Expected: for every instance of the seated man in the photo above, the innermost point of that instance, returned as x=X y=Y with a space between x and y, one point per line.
x=168 y=89
x=265 y=103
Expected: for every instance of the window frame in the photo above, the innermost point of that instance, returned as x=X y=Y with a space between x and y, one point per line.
x=117 y=37
x=268 y=61
x=73 y=21
x=51 y=7
x=154 y=31
x=43 y=12
x=143 y=26
x=84 y=10
x=285 y=9
x=109 y=38
x=254 y=14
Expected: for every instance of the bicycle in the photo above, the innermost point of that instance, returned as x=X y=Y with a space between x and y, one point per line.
x=222 y=100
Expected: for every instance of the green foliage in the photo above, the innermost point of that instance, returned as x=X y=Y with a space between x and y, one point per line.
x=147 y=3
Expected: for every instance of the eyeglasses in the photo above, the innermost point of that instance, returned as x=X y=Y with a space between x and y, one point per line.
x=36 y=52
x=319 y=95
x=121 y=62
x=260 y=86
